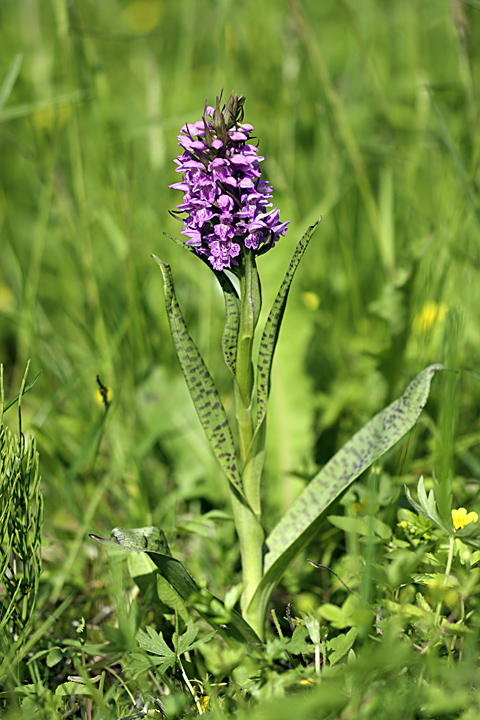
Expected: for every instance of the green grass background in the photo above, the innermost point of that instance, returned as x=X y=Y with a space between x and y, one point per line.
x=367 y=114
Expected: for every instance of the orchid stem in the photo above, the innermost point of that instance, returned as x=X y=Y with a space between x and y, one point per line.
x=248 y=514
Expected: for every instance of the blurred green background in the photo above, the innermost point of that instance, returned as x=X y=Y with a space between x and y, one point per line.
x=367 y=114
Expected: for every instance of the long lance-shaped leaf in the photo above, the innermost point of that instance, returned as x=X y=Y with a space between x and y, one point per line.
x=272 y=328
x=232 y=307
x=152 y=540
x=300 y=522
x=200 y=383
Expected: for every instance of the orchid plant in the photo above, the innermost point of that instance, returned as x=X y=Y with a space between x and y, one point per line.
x=229 y=220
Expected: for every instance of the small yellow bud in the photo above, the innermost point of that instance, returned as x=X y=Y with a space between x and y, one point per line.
x=104 y=396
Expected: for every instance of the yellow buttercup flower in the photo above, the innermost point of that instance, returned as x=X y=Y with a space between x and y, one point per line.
x=204 y=702
x=430 y=314
x=461 y=518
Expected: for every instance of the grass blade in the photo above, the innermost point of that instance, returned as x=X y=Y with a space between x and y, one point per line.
x=23 y=392
x=21 y=648
x=10 y=80
x=468 y=179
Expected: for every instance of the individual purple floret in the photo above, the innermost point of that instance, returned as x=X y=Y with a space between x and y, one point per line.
x=226 y=203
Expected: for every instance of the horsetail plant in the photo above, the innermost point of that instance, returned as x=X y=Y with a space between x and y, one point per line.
x=21 y=519
x=229 y=220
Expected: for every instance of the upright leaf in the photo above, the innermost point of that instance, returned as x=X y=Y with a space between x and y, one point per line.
x=232 y=306
x=271 y=330
x=200 y=383
x=300 y=522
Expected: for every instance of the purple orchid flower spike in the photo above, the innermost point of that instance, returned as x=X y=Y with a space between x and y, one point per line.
x=226 y=205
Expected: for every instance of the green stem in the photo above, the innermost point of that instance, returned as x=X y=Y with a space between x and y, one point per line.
x=251 y=537
x=249 y=311
x=248 y=514
x=250 y=306
x=448 y=567
x=450 y=557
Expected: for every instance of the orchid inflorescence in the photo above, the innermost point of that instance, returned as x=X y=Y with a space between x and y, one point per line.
x=227 y=203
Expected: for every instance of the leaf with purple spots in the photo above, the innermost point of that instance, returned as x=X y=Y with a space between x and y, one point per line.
x=300 y=523
x=152 y=540
x=232 y=308
x=201 y=386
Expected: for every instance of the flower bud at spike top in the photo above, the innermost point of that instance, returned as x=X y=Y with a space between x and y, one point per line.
x=227 y=205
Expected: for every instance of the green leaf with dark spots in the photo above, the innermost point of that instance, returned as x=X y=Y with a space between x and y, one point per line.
x=232 y=306
x=300 y=523
x=146 y=539
x=152 y=541
x=201 y=386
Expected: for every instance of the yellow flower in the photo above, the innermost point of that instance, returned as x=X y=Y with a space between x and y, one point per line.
x=143 y=16
x=7 y=299
x=204 y=702
x=461 y=518
x=430 y=314
x=104 y=396
x=311 y=300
